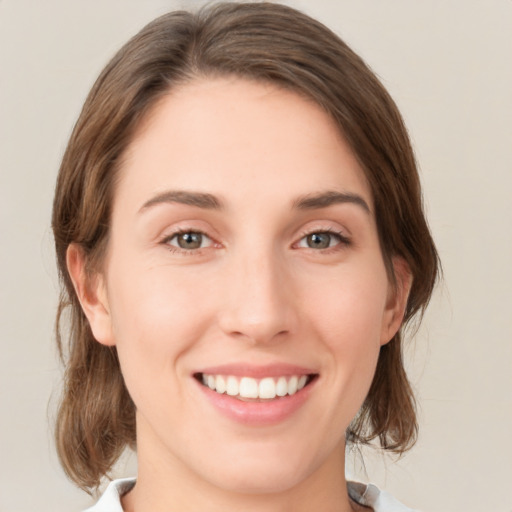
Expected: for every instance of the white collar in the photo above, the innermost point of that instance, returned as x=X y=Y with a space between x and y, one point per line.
x=365 y=494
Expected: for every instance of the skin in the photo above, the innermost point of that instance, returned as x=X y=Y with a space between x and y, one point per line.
x=254 y=292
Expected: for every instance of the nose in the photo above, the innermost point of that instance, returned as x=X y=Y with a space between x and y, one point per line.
x=258 y=301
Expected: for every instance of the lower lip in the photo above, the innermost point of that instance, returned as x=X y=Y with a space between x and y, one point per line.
x=257 y=413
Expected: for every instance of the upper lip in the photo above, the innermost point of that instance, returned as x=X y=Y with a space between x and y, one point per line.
x=257 y=371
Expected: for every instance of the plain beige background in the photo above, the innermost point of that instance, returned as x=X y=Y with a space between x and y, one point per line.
x=448 y=65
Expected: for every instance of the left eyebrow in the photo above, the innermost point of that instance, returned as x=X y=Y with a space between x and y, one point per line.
x=329 y=198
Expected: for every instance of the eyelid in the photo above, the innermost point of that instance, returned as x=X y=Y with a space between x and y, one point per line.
x=165 y=239
x=344 y=238
x=187 y=231
x=342 y=234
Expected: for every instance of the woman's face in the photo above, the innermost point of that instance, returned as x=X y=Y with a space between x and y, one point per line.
x=243 y=257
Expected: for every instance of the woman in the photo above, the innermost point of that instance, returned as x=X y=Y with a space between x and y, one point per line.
x=240 y=235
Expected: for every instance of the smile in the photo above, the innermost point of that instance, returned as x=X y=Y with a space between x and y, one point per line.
x=249 y=388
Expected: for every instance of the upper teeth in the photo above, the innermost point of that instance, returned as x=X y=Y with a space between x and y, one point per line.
x=247 y=387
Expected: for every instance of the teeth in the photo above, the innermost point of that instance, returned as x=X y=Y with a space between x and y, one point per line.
x=220 y=384
x=248 y=387
x=281 y=387
x=292 y=385
x=232 y=386
x=267 y=388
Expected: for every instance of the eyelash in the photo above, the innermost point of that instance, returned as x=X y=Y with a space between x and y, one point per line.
x=343 y=240
x=180 y=250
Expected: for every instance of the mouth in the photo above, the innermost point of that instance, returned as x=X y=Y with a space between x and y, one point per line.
x=250 y=389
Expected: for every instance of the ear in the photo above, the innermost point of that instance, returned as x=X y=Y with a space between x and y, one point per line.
x=92 y=294
x=397 y=300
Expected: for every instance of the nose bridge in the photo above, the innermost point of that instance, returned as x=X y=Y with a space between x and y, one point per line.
x=258 y=306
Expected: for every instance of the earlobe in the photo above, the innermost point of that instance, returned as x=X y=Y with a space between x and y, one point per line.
x=397 y=300
x=91 y=292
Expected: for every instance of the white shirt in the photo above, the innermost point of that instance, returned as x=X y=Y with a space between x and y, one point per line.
x=364 y=494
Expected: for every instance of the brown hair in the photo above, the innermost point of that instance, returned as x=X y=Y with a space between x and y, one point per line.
x=260 y=41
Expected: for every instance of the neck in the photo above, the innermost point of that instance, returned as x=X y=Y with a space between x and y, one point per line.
x=165 y=484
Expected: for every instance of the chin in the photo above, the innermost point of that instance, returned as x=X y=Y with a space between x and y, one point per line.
x=256 y=480
x=270 y=469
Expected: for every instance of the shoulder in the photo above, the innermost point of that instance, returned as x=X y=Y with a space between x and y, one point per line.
x=371 y=496
x=110 y=501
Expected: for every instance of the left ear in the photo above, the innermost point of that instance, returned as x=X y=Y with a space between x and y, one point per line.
x=397 y=300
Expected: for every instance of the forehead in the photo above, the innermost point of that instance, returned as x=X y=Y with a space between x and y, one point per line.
x=236 y=137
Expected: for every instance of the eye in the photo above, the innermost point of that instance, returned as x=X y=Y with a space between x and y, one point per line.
x=189 y=240
x=322 y=240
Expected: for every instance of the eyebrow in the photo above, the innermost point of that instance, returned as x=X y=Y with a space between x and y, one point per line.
x=211 y=202
x=329 y=198
x=199 y=199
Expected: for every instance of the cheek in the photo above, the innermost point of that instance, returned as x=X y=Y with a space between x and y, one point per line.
x=353 y=340
x=348 y=317
x=154 y=320
x=350 y=307
x=153 y=304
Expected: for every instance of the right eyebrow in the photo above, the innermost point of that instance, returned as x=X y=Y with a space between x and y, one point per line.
x=199 y=199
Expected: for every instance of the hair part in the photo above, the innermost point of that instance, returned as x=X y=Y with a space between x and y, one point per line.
x=257 y=41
